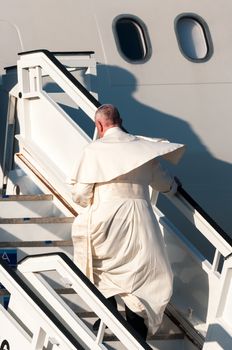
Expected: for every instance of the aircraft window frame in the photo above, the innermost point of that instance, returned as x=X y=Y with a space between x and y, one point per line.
x=142 y=31
x=206 y=34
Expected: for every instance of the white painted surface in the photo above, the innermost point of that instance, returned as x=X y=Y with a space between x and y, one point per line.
x=176 y=98
x=27 y=330
x=25 y=209
x=35 y=232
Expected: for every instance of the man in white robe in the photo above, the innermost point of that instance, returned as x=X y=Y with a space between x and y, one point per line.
x=117 y=240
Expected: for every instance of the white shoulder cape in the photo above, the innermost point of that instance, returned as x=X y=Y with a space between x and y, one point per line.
x=118 y=153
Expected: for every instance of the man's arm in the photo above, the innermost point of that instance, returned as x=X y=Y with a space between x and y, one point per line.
x=82 y=194
x=162 y=181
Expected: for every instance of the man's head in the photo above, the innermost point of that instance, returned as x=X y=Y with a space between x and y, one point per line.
x=107 y=116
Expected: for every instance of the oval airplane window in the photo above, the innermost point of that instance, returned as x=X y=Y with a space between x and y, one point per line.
x=193 y=38
x=132 y=39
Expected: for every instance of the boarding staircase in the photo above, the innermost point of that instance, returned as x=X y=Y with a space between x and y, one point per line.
x=47 y=301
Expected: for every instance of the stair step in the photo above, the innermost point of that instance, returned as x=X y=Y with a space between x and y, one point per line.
x=157 y=336
x=35 y=229
x=40 y=220
x=164 y=333
x=168 y=344
x=13 y=206
x=168 y=330
x=47 y=243
x=25 y=197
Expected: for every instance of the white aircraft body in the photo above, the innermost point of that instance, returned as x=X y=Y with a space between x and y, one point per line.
x=166 y=65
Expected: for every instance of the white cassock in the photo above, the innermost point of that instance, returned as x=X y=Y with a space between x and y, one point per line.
x=117 y=240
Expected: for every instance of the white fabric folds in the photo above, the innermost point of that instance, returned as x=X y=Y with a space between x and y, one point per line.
x=117 y=153
x=117 y=239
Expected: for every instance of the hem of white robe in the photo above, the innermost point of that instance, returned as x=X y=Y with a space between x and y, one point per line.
x=83 y=259
x=135 y=304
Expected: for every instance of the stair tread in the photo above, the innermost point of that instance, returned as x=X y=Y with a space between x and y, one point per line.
x=157 y=336
x=165 y=332
x=36 y=244
x=25 y=197
x=37 y=220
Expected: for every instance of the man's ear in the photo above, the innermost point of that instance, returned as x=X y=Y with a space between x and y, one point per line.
x=99 y=127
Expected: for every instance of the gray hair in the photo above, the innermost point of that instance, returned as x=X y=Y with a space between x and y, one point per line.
x=110 y=112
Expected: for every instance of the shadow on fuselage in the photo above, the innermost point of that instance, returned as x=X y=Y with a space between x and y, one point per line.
x=204 y=176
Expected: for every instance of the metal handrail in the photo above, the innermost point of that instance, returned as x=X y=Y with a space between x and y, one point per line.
x=10 y=275
x=82 y=285
x=70 y=77
x=205 y=215
x=202 y=221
